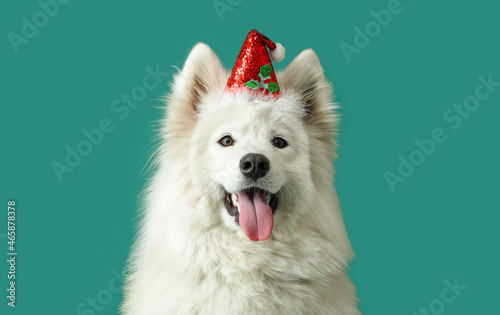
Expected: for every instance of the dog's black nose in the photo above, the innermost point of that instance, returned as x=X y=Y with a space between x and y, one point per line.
x=254 y=165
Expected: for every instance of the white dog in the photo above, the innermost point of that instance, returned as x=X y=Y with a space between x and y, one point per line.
x=241 y=216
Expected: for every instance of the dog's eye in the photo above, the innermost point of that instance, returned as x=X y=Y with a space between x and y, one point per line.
x=280 y=143
x=226 y=141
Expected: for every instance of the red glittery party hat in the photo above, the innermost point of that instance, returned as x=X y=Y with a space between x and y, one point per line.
x=253 y=68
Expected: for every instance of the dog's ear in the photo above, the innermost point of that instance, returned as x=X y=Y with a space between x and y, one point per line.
x=201 y=76
x=304 y=75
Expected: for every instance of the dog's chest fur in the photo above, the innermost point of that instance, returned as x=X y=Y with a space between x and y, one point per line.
x=218 y=272
x=223 y=275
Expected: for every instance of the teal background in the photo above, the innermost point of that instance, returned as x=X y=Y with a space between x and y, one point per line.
x=441 y=223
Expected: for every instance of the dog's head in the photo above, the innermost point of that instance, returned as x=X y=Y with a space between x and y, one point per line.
x=255 y=158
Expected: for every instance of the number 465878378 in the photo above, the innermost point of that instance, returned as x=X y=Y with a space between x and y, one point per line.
x=11 y=225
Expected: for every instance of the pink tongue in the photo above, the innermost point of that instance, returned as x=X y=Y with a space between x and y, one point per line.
x=256 y=217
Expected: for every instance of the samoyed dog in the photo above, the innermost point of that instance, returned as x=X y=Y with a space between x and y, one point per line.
x=241 y=215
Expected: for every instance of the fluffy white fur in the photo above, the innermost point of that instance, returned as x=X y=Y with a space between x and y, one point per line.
x=190 y=257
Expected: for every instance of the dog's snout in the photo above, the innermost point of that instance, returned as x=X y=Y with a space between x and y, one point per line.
x=254 y=165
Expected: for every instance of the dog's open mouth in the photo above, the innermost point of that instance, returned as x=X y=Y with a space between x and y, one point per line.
x=253 y=209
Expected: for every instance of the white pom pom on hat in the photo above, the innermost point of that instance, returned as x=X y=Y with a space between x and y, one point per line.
x=278 y=54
